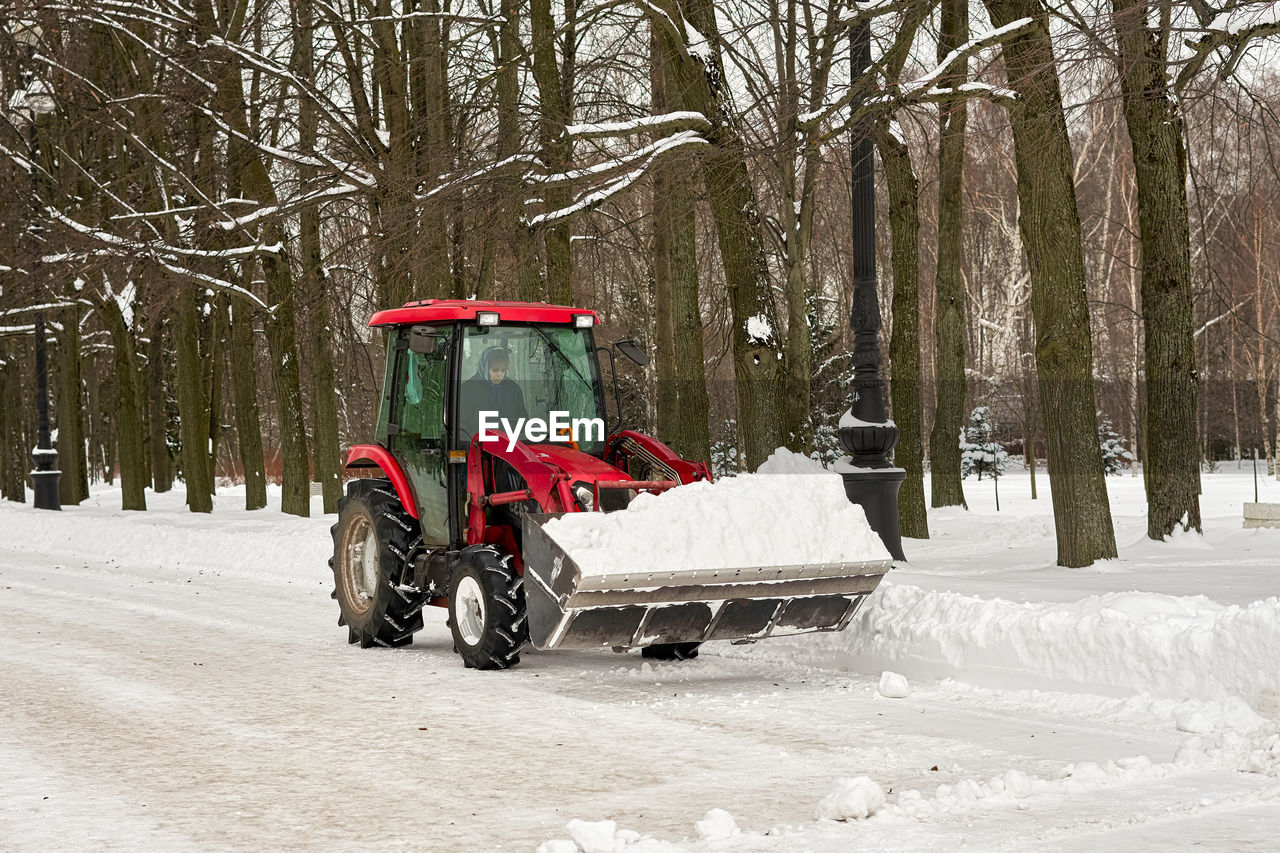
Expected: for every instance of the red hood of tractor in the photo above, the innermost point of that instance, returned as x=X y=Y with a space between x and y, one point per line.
x=578 y=465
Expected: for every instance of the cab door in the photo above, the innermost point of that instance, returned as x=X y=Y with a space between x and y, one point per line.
x=416 y=426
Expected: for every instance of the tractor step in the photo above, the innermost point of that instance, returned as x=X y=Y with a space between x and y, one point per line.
x=571 y=609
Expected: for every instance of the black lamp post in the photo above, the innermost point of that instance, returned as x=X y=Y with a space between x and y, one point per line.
x=45 y=476
x=34 y=101
x=865 y=432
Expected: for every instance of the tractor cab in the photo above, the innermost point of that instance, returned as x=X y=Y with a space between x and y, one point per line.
x=472 y=388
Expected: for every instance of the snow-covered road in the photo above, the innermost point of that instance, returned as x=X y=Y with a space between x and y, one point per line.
x=170 y=682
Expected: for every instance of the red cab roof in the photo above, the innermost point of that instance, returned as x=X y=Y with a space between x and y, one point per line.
x=449 y=310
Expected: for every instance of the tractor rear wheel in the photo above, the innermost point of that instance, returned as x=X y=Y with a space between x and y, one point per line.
x=370 y=542
x=486 y=609
x=670 y=651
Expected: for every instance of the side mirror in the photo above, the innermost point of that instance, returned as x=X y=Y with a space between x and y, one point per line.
x=423 y=340
x=633 y=351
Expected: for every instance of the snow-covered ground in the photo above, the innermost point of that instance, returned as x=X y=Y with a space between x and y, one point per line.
x=177 y=682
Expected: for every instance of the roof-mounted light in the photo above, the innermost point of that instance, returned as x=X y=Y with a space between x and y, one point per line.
x=583 y=321
x=487 y=318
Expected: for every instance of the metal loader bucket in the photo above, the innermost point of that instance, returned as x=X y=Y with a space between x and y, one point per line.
x=570 y=609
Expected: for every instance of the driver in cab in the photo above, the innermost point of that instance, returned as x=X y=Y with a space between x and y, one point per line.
x=490 y=390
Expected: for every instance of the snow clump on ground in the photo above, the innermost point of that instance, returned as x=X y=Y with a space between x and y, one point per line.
x=603 y=836
x=717 y=824
x=852 y=799
x=893 y=685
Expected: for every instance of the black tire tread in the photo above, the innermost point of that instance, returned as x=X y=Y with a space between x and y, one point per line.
x=396 y=614
x=506 y=631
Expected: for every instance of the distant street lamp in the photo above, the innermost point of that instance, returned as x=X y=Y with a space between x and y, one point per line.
x=28 y=104
x=866 y=433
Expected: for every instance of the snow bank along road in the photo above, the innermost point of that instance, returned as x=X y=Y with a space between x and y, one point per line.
x=172 y=682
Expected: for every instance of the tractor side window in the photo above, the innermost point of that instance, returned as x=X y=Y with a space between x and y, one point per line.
x=421 y=383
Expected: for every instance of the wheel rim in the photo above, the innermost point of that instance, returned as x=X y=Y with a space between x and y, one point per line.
x=361 y=565
x=469 y=610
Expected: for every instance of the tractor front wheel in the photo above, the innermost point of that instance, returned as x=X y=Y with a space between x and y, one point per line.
x=370 y=541
x=486 y=609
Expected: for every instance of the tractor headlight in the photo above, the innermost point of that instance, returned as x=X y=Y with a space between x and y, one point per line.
x=583 y=321
x=586 y=497
x=486 y=318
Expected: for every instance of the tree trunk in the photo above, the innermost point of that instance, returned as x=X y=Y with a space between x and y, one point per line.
x=244 y=392
x=158 y=412
x=949 y=376
x=295 y=496
x=1050 y=226
x=192 y=402
x=12 y=469
x=246 y=162
x=130 y=411
x=668 y=396
x=527 y=284
x=904 y=339
x=675 y=232
x=73 y=487
x=1160 y=165
x=756 y=355
x=324 y=396
x=555 y=112
x=693 y=435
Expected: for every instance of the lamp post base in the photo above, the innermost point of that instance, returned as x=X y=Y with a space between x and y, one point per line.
x=45 y=486
x=45 y=477
x=876 y=491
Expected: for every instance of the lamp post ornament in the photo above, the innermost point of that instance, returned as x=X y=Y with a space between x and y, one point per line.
x=866 y=433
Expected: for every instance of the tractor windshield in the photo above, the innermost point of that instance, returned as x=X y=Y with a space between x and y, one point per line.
x=531 y=372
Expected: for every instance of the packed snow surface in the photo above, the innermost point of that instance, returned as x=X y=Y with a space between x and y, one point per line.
x=748 y=520
x=174 y=681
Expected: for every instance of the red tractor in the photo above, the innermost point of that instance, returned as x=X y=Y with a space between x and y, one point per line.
x=493 y=420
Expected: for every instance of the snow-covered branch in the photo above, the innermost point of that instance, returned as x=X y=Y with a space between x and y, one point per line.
x=1232 y=31
x=924 y=88
x=1224 y=315
x=166 y=255
x=595 y=198
x=666 y=123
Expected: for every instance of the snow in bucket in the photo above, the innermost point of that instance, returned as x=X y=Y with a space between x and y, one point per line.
x=748 y=520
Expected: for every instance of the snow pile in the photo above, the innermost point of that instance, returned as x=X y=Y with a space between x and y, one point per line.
x=783 y=462
x=892 y=685
x=603 y=836
x=749 y=520
x=1252 y=752
x=716 y=825
x=852 y=799
x=264 y=545
x=1265 y=758
x=1174 y=646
